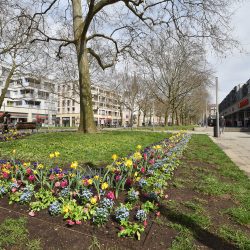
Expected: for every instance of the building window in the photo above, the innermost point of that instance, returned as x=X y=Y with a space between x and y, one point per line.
x=58 y=110
x=73 y=109
x=68 y=103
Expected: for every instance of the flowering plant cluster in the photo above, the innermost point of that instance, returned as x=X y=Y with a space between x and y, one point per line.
x=79 y=195
x=13 y=135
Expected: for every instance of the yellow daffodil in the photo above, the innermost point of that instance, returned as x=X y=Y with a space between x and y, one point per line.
x=96 y=177
x=57 y=154
x=157 y=147
x=72 y=175
x=135 y=174
x=128 y=163
x=66 y=209
x=90 y=181
x=114 y=157
x=138 y=147
x=105 y=185
x=35 y=172
x=52 y=155
x=138 y=178
x=40 y=166
x=93 y=200
x=74 y=165
x=137 y=155
x=14 y=151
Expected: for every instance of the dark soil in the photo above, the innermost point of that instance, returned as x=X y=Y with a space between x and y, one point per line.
x=55 y=234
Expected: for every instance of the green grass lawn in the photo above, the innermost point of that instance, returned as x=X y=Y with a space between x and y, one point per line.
x=165 y=128
x=94 y=149
x=210 y=200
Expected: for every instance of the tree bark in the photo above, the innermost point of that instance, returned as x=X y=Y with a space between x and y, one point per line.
x=166 y=118
x=87 y=124
x=7 y=84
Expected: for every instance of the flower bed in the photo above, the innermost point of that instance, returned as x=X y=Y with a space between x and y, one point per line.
x=126 y=191
x=13 y=135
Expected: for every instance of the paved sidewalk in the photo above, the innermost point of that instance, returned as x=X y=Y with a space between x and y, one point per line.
x=237 y=146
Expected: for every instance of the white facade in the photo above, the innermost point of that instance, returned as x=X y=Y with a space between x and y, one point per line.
x=106 y=106
x=29 y=99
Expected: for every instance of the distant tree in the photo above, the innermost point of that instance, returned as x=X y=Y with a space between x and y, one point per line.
x=104 y=29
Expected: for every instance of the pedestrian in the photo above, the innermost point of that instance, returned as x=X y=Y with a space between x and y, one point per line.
x=222 y=124
x=6 y=122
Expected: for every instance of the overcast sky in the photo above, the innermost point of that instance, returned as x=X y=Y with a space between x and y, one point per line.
x=235 y=68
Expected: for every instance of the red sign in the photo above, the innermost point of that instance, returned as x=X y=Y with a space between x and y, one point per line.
x=243 y=103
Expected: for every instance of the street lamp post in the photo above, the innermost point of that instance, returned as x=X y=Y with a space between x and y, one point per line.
x=217 y=128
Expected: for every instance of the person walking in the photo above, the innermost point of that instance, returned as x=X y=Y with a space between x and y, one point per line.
x=222 y=124
x=5 y=123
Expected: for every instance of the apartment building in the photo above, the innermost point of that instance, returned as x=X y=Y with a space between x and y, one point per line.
x=106 y=106
x=29 y=99
x=235 y=107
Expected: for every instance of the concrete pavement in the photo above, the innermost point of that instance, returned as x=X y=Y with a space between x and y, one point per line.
x=237 y=146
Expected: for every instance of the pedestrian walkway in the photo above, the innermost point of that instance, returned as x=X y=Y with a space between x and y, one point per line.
x=237 y=146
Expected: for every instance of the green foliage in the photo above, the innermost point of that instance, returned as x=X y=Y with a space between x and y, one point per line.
x=239 y=238
x=130 y=229
x=14 y=197
x=13 y=229
x=148 y=206
x=44 y=199
x=93 y=149
x=72 y=211
x=240 y=214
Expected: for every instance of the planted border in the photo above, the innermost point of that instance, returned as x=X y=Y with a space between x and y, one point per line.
x=126 y=191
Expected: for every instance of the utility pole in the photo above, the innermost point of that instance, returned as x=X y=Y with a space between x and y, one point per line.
x=153 y=115
x=217 y=127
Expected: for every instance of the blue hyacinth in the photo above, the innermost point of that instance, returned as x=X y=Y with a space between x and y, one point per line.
x=141 y=215
x=3 y=190
x=55 y=208
x=107 y=203
x=142 y=182
x=65 y=192
x=101 y=215
x=121 y=213
x=86 y=194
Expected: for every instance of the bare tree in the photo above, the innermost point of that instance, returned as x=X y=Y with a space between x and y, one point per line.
x=105 y=28
x=174 y=70
x=16 y=53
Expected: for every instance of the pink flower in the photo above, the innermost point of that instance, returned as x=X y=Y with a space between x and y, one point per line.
x=31 y=178
x=78 y=222
x=158 y=157
x=158 y=213
x=5 y=175
x=118 y=177
x=70 y=222
x=145 y=157
x=64 y=183
x=121 y=228
x=57 y=184
x=143 y=170
x=31 y=213
x=13 y=190
x=60 y=176
x=110 y=195
x=19 y=182
x=128 y=182
x=51 y=177
x=29 y=171
x=145 y=223
x=151 y=161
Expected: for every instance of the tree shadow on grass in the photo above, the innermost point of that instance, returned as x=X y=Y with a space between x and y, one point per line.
x=205 y=237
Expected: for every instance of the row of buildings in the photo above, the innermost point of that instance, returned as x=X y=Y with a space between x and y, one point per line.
x=50 y=104
x=235 y=107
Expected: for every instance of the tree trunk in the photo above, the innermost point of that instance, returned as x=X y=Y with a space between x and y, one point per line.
x=121 y=115
x=87 y=124
x=166 y=118
x=138 y=118
x=7 y=84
